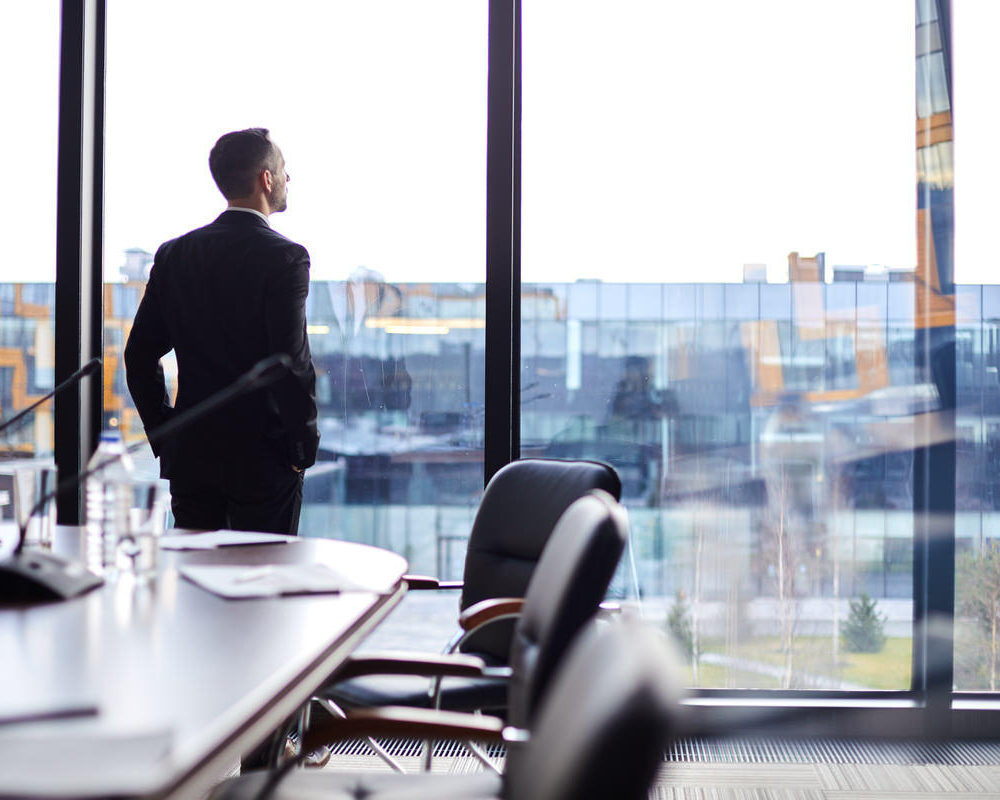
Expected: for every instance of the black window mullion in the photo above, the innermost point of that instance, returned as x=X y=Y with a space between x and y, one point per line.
x=79 y=245
x=503 y=237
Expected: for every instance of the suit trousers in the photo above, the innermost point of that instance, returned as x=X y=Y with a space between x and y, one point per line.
x=247 y=495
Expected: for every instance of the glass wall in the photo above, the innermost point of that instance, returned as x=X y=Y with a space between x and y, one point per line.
x=725 y=282
x=379 y=109
x=29 y=96
x=726 y=200
x=976 y=171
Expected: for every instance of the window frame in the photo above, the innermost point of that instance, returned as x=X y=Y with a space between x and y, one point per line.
x=79 y=334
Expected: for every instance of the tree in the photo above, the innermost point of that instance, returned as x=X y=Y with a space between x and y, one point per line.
x=978 y=597
x=783 y=557
x=864 y=630
x=679 y=625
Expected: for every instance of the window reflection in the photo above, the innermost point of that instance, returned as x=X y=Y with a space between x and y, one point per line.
x=931 y=76
x=754 y=460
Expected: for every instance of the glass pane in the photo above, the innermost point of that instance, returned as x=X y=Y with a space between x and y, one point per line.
x=736 y=173
x=380 y=111
x=977 y=349
x=29 y=95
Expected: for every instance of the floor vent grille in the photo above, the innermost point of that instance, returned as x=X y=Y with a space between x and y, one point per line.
x=412 y=748
x=751 y=751
x=833 y=751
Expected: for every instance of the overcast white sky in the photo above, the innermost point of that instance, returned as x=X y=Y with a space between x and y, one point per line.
x=666 y=141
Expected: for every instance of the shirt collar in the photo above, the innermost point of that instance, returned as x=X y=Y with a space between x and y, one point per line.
x=250 y=211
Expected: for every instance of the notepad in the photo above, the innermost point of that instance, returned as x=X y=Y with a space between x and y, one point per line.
x=269 y=580
x=216 y=539
x=66 y=763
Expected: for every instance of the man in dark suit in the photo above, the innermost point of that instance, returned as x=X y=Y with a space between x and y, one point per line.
x=223 y=297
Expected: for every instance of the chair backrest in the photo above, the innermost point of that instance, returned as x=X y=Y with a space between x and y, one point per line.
x=520 y=507
x=603 y=726
x=565 y=592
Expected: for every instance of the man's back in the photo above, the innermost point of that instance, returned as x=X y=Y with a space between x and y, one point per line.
x=224 y=297
x=214 y=281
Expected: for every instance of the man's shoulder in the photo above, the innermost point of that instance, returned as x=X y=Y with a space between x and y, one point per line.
x=279 y=243
x=279 y=239
x=190 y=236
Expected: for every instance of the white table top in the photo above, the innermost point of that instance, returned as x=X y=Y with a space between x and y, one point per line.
x=182 y=681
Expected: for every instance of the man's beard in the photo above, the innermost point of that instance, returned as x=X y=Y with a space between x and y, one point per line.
x=278 y=198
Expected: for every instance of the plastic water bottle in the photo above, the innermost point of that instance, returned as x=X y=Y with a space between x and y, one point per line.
x=108 y=499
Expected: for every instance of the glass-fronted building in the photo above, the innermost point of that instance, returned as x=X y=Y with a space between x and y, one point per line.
x=764 y=434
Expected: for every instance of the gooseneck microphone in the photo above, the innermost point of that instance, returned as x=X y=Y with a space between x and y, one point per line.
x=33 y=576
x=87 y=369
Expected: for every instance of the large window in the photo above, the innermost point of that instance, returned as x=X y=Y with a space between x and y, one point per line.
x=718 y=262
x=727 y=289
x=29 y=96
x=379 y=110
x=977 y=518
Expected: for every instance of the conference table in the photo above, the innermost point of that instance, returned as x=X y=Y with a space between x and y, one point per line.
x=156 y=690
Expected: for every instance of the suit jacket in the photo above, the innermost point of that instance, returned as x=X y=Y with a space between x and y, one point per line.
x=223 y=297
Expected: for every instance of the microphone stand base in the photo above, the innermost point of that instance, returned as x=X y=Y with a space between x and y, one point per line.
x=37 y=576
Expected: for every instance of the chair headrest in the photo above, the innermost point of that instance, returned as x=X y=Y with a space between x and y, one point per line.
x=602 y=729
x=524 y=500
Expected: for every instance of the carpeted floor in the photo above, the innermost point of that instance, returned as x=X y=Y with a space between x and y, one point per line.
x=825 y=781
x=775 y=769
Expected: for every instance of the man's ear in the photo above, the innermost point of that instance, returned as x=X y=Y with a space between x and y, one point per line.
x=267 y=180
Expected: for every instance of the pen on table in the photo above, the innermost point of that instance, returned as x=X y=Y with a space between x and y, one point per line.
x=254 y=574
x=42 y=715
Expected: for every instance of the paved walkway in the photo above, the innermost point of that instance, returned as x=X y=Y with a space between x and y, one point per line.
x=803 y=680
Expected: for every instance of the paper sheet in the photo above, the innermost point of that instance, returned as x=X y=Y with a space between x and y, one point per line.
x=269 y=580
x=216 y=539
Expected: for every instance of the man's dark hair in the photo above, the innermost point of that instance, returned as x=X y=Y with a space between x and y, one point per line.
x=238 y=158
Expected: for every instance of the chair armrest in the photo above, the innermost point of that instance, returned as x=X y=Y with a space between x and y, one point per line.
x=423 y=582
x=403 y=722
x=485 y=611
x=610 y=608
x=422 y=665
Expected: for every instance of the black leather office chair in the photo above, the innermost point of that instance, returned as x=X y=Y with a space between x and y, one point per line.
x=600 y=733
x=565 y=592
x=519 y=510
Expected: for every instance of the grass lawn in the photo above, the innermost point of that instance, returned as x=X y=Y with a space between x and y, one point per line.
x=888 y=669
x=714 y=676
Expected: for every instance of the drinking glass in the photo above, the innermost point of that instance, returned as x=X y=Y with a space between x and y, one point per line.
x=139 y=546
x=34 y=503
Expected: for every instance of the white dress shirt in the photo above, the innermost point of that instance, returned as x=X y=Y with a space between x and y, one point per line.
x=250 y=211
